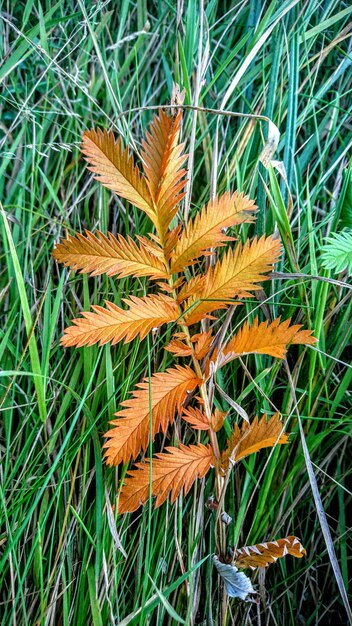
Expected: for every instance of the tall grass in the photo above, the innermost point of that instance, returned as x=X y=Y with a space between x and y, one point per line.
x=66 y=67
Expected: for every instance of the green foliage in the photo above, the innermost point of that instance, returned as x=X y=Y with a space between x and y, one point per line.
x=337 y=252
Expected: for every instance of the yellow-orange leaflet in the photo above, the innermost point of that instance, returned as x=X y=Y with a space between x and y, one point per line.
x=162 y=395
x=110 y=255
x=172 y=471
x=114 y=324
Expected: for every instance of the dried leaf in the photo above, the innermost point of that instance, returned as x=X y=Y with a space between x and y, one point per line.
x=110 y=255
x=237 y=584
x=114 y=167
x=202 y=342
x=217 y=420
x=161 y=396
x=237 y=274
x=207 y=228
x=249 y=439
x=263 y=554
x=196 y=418
x=178 y=348
x=264 y=338
x=114 y=324
x=171 y=472
x=162 y=162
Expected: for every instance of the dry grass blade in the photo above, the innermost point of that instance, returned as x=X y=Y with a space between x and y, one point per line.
x=114 y=167
x=263 y=554
x=154 y=400
x=110 y=255
x=114 y=324
x=207 y=229
x=237 y=274
x=249 y=439
x=171 y=472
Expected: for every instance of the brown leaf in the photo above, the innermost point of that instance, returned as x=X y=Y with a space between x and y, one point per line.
x=263 y=554
x=114 y=167
x=207 y=229
x=217 y=419
x=114 y=324
x=110 y=255
x=161 y=396
x=171 y=472
x=196 y=418
x=249 y=439
x=236 y=275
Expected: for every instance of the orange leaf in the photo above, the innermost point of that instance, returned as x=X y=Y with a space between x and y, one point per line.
x=162 y=162
x=193 y=285
x=206 y=230
x=178 y=348
x=263 y=554
x=203 y=342
x=171 y=472
x=249 y=439
x=114 y=167
x=264 y=338
x=237 y=274
x=161 y=396
x=196 y=418
x=114 y=324
x=100 y=254
x=217 y=419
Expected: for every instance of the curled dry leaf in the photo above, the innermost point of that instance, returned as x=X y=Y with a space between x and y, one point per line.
x=263 y=554
x=237 y=584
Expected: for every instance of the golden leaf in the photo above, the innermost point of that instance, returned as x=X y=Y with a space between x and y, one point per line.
x=172 y=471
x=114 y=324
x=110 y=255
x=237 y=274
x=206 y=230
x=154 y=400
x=251 y=438
x=196 y=418
x=264 y=338
x=114 y=167
x=263 y=554
x=162 y=162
